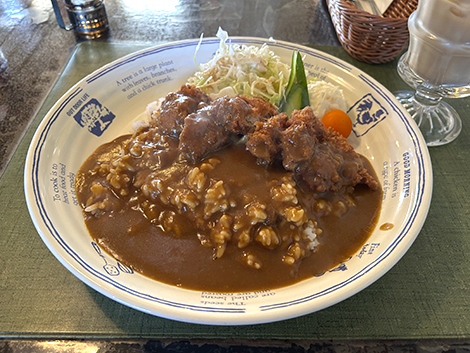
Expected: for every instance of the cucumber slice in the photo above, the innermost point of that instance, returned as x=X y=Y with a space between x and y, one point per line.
x=296 y=97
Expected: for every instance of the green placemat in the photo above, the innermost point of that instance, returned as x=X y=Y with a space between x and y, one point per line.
x=426 y=295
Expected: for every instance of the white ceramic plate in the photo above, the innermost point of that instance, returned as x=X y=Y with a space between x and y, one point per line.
x=103 y=105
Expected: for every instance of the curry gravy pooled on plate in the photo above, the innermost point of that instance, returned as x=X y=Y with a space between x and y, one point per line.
x=229 y=195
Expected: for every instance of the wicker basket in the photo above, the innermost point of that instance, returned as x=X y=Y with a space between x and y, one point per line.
x=371 y=38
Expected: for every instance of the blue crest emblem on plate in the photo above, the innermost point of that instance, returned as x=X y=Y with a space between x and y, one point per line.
x=369 y=112
x=95 y=117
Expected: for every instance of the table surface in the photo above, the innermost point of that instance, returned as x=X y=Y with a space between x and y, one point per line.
x=424 y=299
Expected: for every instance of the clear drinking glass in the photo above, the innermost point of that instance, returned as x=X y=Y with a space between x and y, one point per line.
x=437 y=66
x=3 y=61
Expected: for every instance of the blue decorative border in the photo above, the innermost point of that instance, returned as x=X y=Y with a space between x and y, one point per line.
x=312 y=52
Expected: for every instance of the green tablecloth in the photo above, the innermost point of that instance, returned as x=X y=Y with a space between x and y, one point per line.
x=425 y=296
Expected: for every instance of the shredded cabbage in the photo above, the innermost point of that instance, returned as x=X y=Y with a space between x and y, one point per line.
x=244 y=70
x=325 y=97
x=256 y=71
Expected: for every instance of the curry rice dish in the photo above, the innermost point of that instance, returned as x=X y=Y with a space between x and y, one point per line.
x=229 y=195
